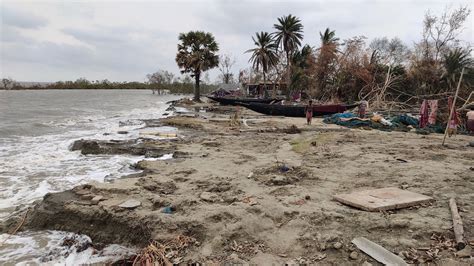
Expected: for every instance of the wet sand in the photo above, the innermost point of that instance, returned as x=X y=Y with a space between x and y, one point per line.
x=225 y=189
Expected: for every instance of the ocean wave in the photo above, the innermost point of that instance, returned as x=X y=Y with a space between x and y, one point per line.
x=31 y=166
x=57 y=248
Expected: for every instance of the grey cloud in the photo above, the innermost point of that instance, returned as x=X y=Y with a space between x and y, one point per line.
x=148 y=38
x=20 y=19
x=12 y=34
x=111 y=52
x=95 y=35
x=248 y=17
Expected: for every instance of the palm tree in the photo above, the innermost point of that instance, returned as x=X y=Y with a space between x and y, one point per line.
x=264 y=55
x=328 y=37
x=288 y=35
x=300 y=57
x=454 y=62
x=326 y=58
x=300 y=68
x=196 y=54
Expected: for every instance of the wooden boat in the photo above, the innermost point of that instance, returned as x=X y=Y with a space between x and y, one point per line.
x=297 y=110
x=233 y=101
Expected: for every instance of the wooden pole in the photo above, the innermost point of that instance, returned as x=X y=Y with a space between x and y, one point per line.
x=453 y=108
x=457 y=225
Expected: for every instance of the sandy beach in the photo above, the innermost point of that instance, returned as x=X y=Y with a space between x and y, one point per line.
x=260 y=191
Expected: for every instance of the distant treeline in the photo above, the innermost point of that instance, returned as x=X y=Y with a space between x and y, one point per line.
x=83 y=84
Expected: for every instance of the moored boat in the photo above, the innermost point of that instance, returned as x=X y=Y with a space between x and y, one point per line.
x=297 y=110
x=234 y=101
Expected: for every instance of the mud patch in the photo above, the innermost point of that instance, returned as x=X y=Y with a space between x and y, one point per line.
x=280 y=174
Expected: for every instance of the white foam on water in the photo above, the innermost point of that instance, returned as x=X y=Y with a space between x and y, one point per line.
x=48 y=248
x=31 y=166
x=166 y=157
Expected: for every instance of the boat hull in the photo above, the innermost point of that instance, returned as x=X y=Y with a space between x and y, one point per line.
x=297 y=110
x=236 y=101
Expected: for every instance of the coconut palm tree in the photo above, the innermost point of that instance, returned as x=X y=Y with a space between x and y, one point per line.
x=264 y=55
x=288 y=36
x=196 y=54
x=328 y=37
x=326 y=59
x=300 y=74
x=300 y=57
x=453 y=63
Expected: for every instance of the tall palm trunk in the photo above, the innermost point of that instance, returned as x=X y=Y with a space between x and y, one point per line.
x=288 y=78
x=197 y=92
x=264 y=83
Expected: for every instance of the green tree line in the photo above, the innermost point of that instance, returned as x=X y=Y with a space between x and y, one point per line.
x=171 y=86
x=352 y=69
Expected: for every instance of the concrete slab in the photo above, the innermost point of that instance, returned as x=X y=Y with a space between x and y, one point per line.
x=382 y=199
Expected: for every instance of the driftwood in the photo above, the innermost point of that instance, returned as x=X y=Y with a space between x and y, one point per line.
x=457 y=225
x=378 y=252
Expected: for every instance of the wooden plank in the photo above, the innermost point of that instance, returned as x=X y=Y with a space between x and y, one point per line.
x=453 y=108
x=457 y=225
x=378 y=252
x=382 y=199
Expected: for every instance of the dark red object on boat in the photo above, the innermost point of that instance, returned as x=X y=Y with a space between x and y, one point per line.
x=297 y=110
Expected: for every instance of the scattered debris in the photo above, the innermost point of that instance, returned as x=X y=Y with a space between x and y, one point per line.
x=96 y=199
x=250 y=200
x=284 y=168
x=168 y=209
x=377 y=252
x=337 y=245
x=354 y=255
x=168 y=253
x=130 y=204
x=292 y=130
x=428 y=254
x=247 y=247
x=465 y=252
x=457 y=225
x=382 y=199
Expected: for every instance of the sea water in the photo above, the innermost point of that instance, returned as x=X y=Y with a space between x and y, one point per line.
x=37 y=128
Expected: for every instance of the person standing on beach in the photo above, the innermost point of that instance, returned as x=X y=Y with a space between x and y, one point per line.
x=470 y=121
x=309 y=112
x=363 y=108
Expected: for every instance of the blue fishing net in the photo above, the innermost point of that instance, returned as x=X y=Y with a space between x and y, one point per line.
x=401 y=122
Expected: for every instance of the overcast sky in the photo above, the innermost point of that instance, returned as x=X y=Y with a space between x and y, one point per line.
x=125 y=40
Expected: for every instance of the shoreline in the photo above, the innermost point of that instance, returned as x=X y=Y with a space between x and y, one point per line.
x=225 y=190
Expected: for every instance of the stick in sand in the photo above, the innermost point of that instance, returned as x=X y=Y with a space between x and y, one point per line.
x=453 y=108
x=457 y=225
